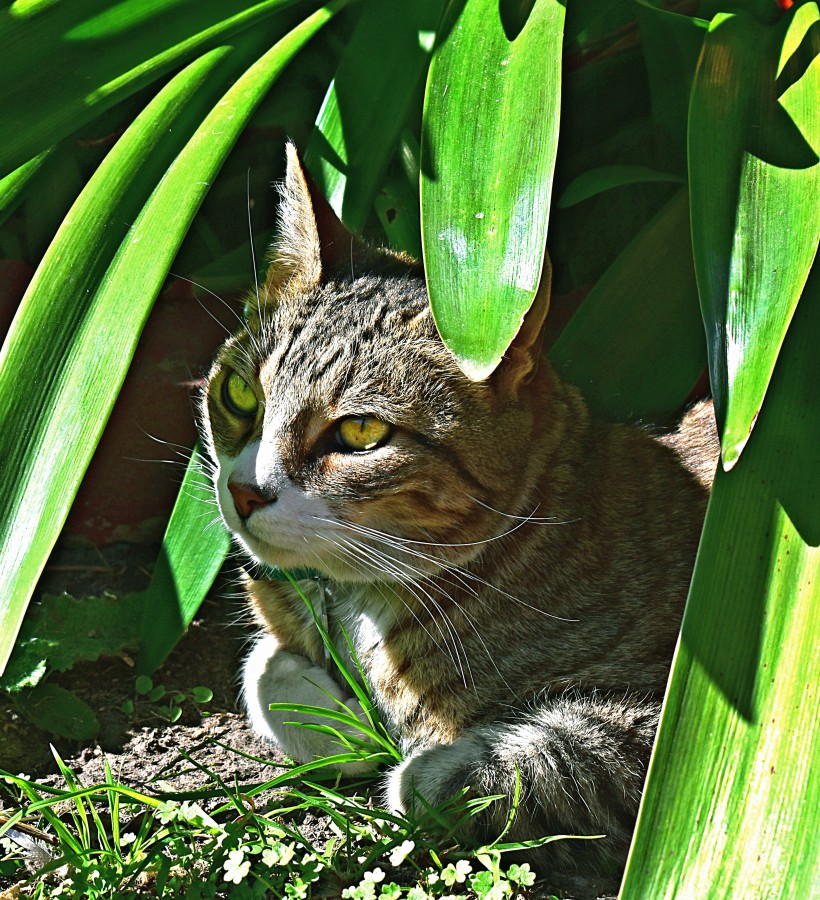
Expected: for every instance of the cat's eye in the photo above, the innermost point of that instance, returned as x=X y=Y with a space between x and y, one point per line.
x=238 y=396
x=362 y=433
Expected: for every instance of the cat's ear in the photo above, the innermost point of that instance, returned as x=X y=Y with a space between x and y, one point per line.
x=310 y=241
x=523 y=356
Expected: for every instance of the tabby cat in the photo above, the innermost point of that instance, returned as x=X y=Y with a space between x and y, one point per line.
x=511 y=572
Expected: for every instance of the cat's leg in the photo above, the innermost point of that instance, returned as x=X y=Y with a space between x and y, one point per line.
x=580 y=762
x=273 y=675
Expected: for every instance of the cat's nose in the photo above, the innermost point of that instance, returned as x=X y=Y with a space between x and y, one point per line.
x=246 y=499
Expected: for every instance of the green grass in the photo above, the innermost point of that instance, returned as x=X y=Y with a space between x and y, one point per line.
x=112 y=841
x=245 y=841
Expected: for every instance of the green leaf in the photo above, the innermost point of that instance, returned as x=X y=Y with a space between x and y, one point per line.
x=368 y=101
x=671 y=46
x=604 y=178
x=15 y=183
x=397 y=206
x=193 y=550
x=61 y=631
x=636 y=345
x=732 y=803
x=58 y=711
x=78 y=325
x=202 y=694
x=143 y=685
x=488 y=153
x=754 y=140
x=78 y=58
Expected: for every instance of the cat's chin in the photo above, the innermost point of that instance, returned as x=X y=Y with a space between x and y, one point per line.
x=332 y=569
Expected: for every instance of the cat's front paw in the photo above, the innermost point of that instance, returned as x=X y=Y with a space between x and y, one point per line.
x=435 y=775
x=272 y=675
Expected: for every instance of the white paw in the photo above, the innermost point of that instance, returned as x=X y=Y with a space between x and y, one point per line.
x=271 y=675
x=434 y=775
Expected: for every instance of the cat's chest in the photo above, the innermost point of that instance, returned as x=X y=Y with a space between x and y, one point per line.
x=359 y=619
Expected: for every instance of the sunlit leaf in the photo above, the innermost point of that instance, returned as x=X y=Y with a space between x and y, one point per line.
x=732 y=804
x=754 y=140
x=95 y=288
x=141 y=40
x=193 y=550
x=488 y=151
x=368 y=101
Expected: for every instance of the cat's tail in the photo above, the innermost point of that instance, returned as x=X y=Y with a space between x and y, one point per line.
x=576 y=762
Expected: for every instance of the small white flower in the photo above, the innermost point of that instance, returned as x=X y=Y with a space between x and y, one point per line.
x=417 y=893
x=128 y=838
x=375 y=876
x=452 y=874
x=236 y=866
x=400 y=853
x=278 y=854
x=498 y=891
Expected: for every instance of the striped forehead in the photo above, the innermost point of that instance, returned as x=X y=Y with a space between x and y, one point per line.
x=339 y=335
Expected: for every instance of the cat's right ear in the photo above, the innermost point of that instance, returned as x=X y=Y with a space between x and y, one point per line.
x=310 y=240
x=523 y=357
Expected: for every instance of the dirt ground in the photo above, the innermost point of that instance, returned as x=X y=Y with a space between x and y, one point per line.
x=142 y=748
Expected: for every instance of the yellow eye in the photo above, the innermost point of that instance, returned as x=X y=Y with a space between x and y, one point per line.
x=238 y=396
x=362 y=432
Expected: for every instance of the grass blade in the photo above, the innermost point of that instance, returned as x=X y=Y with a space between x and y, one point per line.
x=488 y=153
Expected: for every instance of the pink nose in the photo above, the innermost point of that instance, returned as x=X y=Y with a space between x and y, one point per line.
x=246 y=499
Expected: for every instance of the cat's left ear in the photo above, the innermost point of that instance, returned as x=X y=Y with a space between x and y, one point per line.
x=311 y=241
x=523 y=356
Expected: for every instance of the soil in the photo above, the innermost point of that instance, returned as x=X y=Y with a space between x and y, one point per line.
x=143 y=749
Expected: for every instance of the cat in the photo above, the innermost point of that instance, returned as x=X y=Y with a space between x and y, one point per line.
x=511 y=572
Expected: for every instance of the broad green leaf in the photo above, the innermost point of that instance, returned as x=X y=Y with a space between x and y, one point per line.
x=65 y=62
x=636 y=345
x=754 y=141
x=55 y=395
x=488 y=152
x=94 y=289
x=62 y=630
x=732 y=803
x=58 y=711
x=671 y=46
x=397 y=206
x=193 y=550
x=604 y=178
x=368 y=101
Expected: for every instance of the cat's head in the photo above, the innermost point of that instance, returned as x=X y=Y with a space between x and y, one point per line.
x=344 y=437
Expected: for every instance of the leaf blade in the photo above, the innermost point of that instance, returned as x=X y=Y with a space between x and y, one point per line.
x=754 y=179
x=488 y=155
x=104 y=314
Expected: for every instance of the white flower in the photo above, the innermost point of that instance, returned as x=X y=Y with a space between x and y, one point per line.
x=236 y=866
x=498 y=891
x=128 y=838
x=375 y=876
x=417 y=893
x=277 y=854
x=400 y=853
x=456 y=873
